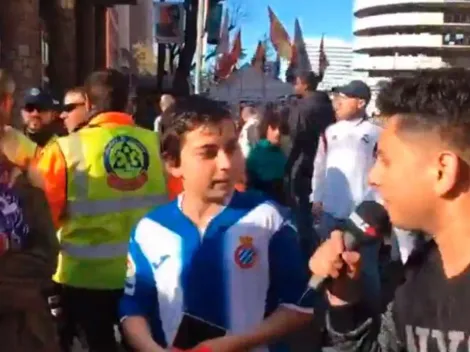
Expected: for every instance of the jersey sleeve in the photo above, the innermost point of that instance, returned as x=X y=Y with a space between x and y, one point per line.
x=140 y=293
x=288 y=271
x=52 y=167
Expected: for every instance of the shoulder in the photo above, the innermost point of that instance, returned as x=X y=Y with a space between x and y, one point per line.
x=371 y=127
x=256 y=209
x=157 y=217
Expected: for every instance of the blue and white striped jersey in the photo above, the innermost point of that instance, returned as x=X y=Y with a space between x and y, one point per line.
x=245 y=264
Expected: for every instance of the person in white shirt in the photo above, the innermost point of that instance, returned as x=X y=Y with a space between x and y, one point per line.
x=166 y=101
x=249 y=135
x=345 y=155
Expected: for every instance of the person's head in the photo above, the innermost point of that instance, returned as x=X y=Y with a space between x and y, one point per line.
x=423 y=156
x=37 y=110
x=306 y=82
x=7 y=90
x=73 y=110
x=106 y=90
x=248 y=112
x=272 y=126
x=200 y=145
x=350 y=101
x=166 y=101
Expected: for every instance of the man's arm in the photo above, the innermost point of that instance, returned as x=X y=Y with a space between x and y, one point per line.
x=52 y=168
x=140 y=300
x=319 y=172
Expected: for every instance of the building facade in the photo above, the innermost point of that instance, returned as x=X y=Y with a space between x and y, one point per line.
x=400 y=36
x=340 y=58
x=54 y=43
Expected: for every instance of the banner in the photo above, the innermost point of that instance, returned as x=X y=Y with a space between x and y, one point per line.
x=169 y=19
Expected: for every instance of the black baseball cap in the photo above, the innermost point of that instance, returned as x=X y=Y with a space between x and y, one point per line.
x=355 y=89
x=38 y=97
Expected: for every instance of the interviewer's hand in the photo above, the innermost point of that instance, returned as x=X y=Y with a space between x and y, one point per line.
x=331 y=260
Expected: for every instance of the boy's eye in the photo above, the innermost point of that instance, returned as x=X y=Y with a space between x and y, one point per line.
x=209 y=153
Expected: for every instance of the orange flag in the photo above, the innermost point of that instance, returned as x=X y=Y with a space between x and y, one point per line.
x=259 y=59
x=279 y=36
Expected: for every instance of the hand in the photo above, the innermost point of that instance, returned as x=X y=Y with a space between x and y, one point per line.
x=331 y=260
x=317 y=208
x=221 y=344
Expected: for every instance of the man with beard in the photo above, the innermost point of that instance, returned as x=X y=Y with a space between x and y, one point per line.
x=39 y=117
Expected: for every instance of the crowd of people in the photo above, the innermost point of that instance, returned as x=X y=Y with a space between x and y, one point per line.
x=203 y=233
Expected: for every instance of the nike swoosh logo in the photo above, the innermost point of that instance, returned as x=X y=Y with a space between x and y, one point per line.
x=162 y=260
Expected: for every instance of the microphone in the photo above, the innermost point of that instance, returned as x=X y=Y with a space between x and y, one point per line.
x=368 y=223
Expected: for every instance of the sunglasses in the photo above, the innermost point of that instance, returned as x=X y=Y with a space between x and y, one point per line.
x=31 y=108
x=71 y=107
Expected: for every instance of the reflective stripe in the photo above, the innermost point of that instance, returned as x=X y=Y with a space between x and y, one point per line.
x=88 y=207
x=71 y=147
x=101 y=251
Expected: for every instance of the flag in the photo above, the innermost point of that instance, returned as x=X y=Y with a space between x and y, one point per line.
x=279 y=36
x=224 y=40
x=322 y=59
x=300 y=61
x=259 y=59
x=227 y=61
x=236 y=52
x=300 y=52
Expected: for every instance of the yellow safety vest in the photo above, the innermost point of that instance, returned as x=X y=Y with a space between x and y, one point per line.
x=114 y=177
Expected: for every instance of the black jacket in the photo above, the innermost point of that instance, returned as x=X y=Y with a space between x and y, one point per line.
x=307 y=120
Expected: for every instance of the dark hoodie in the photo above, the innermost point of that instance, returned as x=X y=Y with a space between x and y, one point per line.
x=26 y=267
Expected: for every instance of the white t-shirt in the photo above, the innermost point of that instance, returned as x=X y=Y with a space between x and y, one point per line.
x=341 y=167
x=249 y=136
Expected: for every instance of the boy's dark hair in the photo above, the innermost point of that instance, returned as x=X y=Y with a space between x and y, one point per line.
x=107 y=90
x=432 y=101
x=310 y=79
x=185 y=115
x=273 y=117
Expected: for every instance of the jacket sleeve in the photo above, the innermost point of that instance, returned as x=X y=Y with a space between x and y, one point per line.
x=52 y=167
x=352 y=330
x=319 y=172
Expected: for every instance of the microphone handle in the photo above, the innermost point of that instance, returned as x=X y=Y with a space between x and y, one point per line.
x=317 y=282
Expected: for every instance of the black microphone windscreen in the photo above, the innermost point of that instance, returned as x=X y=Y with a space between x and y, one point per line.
x=375 y=215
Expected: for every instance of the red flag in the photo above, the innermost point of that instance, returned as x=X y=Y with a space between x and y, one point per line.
x=279 y=36
x=259 y=59
x=236 y=48
x=227 y=61
x=322 y=59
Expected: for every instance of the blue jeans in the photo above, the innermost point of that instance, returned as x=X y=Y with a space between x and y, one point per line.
x=370 y=275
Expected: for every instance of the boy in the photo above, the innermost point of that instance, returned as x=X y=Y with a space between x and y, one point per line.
x=225 y=257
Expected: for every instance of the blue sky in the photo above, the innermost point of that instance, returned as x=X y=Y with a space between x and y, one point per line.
x=332 y=17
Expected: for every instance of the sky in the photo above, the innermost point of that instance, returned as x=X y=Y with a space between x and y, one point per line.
x=331 y=17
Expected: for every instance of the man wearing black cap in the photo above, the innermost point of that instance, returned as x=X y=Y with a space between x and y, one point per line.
x=342 y=165
x=38 y=113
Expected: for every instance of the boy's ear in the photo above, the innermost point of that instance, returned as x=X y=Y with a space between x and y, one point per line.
x=172 y=166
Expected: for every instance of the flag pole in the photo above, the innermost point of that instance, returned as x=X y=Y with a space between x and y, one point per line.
x=199 y=45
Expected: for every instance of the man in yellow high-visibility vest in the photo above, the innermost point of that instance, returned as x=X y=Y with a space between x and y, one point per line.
x=99 y=181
